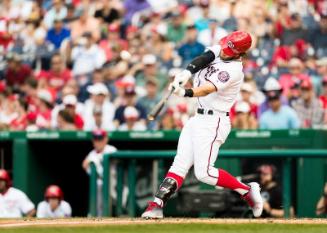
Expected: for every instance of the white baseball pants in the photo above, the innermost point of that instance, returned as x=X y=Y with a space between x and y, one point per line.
x=199 y=144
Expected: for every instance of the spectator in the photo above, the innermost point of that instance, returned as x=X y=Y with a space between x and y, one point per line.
x=85 y=24
x=87 y=56
x=31 y=122
x=65 y=120
x=296 y=74
x=57 y=11
x=54 y=205
x=308 y=107
x=323 y=96
x=212 y=35
x=132 y=123
x=129 y=100
x=58 y=75
x=270 y=191
x=44 y=104
x=294 y=31
x=100 y=144
x=151 y=98
x=191 y=48
x=321 y=209
x=150 y=71
x=321 y=66
x=99 y=101
x=167 y=121
x=107 y=13
x=134 y=6
x=58 y=34
x=13 y=202
x=16 y=72
x=244 y=119
x=176 y=28
x=318 y=37
x=278 y=116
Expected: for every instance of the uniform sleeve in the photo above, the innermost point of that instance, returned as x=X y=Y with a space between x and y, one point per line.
x=215 y=49
x=220 y=79
x=40 y=212
x=25 y=204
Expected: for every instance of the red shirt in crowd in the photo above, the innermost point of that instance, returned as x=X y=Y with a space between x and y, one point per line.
x=253 y=111
x=56 y=80
x=14 y=77
x=288 y=80
x=324 y=101
x=78 y=121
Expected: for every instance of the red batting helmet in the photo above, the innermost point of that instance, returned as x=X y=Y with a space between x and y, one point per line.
x=54 y=191
x=235 y=43
x=4 y=175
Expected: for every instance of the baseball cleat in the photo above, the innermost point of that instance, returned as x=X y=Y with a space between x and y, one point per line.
x=254 y=199
x=154 y=211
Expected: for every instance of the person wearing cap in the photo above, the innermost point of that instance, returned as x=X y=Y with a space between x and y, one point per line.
x=308 y=107
x=99 y=99
x=150 y=71
x=191 y=48
x=247 y=91
x=176 y=29
x=100 y=147
x=44 y=104
x=278 y=116
x=271 y=84
x=270 y=191
x=14 y=203
x=129 y=100
x=295 y=74
x=53 y=205
x=87 y=56
x=243 y=118
x=211 y=35
x=132 y=123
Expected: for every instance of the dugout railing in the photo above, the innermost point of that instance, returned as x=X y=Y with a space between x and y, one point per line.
x=131 y=157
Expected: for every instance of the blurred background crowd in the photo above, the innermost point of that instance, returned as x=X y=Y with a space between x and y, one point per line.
x=84 y=65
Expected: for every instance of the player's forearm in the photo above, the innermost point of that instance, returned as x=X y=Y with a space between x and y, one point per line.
x=203 y=90
x=201 y=62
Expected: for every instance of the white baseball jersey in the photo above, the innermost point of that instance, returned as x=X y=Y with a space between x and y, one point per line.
x=14 y=204
x=226 y=76
x=44 y=210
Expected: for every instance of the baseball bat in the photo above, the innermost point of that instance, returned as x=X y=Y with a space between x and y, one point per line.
x=159 y=106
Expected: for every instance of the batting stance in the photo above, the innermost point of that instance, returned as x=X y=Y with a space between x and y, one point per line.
x=217 y=80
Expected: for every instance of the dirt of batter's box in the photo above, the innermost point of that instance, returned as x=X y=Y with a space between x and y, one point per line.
x=7 y=223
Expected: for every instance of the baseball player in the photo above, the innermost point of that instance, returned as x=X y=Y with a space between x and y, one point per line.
x=13 y=202
x=53 y=206
x=217 y=78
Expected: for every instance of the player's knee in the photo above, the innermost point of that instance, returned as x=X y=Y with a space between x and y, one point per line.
x=202 y=175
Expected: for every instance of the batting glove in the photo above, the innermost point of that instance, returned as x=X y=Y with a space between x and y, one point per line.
x=182 y=77
x=178 y=90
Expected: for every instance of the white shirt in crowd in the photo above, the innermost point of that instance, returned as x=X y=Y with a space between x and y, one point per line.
x=207 y=39
x=87 y=59
x=138 y=126
x=14 y=204
x=44 y=210
x=108 y=114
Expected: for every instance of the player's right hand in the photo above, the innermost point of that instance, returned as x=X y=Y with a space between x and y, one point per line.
x=182 y=77
x=178 y=90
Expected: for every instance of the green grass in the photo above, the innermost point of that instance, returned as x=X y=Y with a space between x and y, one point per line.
x=177 y=228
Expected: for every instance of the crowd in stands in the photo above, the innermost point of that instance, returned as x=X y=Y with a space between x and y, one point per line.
x=84 y=65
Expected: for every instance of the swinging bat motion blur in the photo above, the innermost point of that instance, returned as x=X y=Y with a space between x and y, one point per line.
x=159 y=106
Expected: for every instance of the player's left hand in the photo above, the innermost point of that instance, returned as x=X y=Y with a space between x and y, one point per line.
x=178 y=90
x=182 y=77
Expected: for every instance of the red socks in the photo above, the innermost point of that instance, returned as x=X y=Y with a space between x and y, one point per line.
x=176 y=177
x=226 y=180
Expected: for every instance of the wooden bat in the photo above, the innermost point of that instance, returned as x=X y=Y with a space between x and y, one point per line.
x=159 y=106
